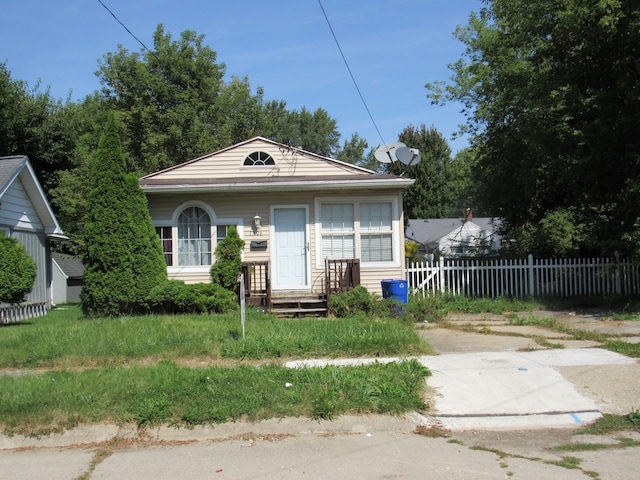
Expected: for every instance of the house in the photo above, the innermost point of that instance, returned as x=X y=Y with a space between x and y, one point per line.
x=455 y=237
x=67 y=278
x=25 y=214
x=293 y=208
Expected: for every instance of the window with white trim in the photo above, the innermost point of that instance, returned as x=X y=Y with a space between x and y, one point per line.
x=166 y=238
x=357 y=230
x=194 y=237
x=338 y=231
x=376 y=232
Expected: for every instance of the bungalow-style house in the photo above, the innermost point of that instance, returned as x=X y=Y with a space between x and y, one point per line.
x=297 y=211
x=25 y=214
x=454 y=237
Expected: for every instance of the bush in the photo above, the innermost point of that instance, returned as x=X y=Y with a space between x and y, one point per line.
x=228 y=264
x=352 y=302
x=174 y=296
x=17 y=270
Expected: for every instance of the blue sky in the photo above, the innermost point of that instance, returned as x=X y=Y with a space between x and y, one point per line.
x=393 y=48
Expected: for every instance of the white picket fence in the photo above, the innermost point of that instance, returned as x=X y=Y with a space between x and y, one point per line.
x=523 y=278
x=17 y=313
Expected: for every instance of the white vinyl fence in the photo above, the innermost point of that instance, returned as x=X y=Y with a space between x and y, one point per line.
x=528 y=277
x=16 y=313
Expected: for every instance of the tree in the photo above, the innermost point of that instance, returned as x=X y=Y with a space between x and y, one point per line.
x=353 y=151
x=431 y=195
x=17 y=270
x=124 y=259
x=552 y=96
x=34 y=124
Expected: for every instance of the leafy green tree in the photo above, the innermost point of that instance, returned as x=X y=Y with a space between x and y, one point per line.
x=431 y=195
x=32 y=123
x=353 y=151
x=552 y=98
x=124 y=259
x=228 y=265
x=168 y=99
x=17 y=270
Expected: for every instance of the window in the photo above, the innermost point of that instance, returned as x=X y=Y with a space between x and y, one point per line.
x=194 y=237
x=360 y=229
x=258 y=159
x=166 y=238
x=376 y=232
x=221 y=232
x=338 y=233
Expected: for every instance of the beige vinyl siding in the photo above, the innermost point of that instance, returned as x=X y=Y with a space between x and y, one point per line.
x=230 y=164
x=17 y=211
x=240 y=208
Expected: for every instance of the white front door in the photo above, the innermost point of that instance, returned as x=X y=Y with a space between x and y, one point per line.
x=290 y=251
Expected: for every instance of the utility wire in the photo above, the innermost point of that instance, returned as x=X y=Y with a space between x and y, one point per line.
x=350 y=73
x=128 y=31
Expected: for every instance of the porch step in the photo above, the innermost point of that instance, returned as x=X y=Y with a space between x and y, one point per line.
x=297 y=306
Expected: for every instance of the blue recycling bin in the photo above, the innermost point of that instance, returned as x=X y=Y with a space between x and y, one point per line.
x=396 y=289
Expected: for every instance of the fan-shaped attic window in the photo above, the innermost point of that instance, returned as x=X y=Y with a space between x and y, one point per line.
x=257 y=159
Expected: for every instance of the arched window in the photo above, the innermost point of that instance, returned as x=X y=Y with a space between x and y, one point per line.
x=258 y=159
x=194 y=237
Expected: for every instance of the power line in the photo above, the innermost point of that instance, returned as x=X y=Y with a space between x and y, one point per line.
x=350 y=73
x=128 y=31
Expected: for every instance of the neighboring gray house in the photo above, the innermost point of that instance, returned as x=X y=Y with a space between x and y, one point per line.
x=25 y=214
x=454 y=237
x=68 y=278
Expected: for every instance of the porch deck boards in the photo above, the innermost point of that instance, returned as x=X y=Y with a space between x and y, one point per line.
x=297 y=306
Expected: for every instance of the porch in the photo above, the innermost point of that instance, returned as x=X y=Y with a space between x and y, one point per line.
x=340 y=275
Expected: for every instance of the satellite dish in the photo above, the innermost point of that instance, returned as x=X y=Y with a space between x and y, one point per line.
x=387 y=153
x=404 y=155
x=408 y=156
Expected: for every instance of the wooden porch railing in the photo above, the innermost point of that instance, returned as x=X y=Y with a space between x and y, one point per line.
x=341 y=275
x=257 y=283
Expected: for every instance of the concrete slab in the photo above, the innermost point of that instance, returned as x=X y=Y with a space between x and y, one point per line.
x=445 y=340
x=505 y=389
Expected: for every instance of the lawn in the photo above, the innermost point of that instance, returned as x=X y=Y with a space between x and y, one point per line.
x=141 y=369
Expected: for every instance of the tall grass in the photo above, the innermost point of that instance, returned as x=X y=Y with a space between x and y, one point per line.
x=170 y=394
x=63 y=339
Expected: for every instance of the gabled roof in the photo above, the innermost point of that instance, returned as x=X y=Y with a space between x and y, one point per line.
x=71 y=266
x=18 y=166
x=431 y=230
x=291 y=167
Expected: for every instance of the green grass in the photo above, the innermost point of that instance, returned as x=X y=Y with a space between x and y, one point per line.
x=63 y=339
x=625 y=348
x=614 y=423
x=169 y=394
x=139 y=369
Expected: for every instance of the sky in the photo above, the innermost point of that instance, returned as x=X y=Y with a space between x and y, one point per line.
x=392 y=48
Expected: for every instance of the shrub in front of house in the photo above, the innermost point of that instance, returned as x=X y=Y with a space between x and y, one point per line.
x=174 y=297
x=228 y=265
x=17 y=270
x=359 y=301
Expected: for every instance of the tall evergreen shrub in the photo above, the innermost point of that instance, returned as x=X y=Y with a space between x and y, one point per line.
x=124 y=259
x=17 y=270
x=228 y=263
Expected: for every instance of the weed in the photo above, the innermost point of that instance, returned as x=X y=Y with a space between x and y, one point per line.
x=582 y=447
x=434 y=431
x=625 y=348
x=609 y=424
x=566 y=462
